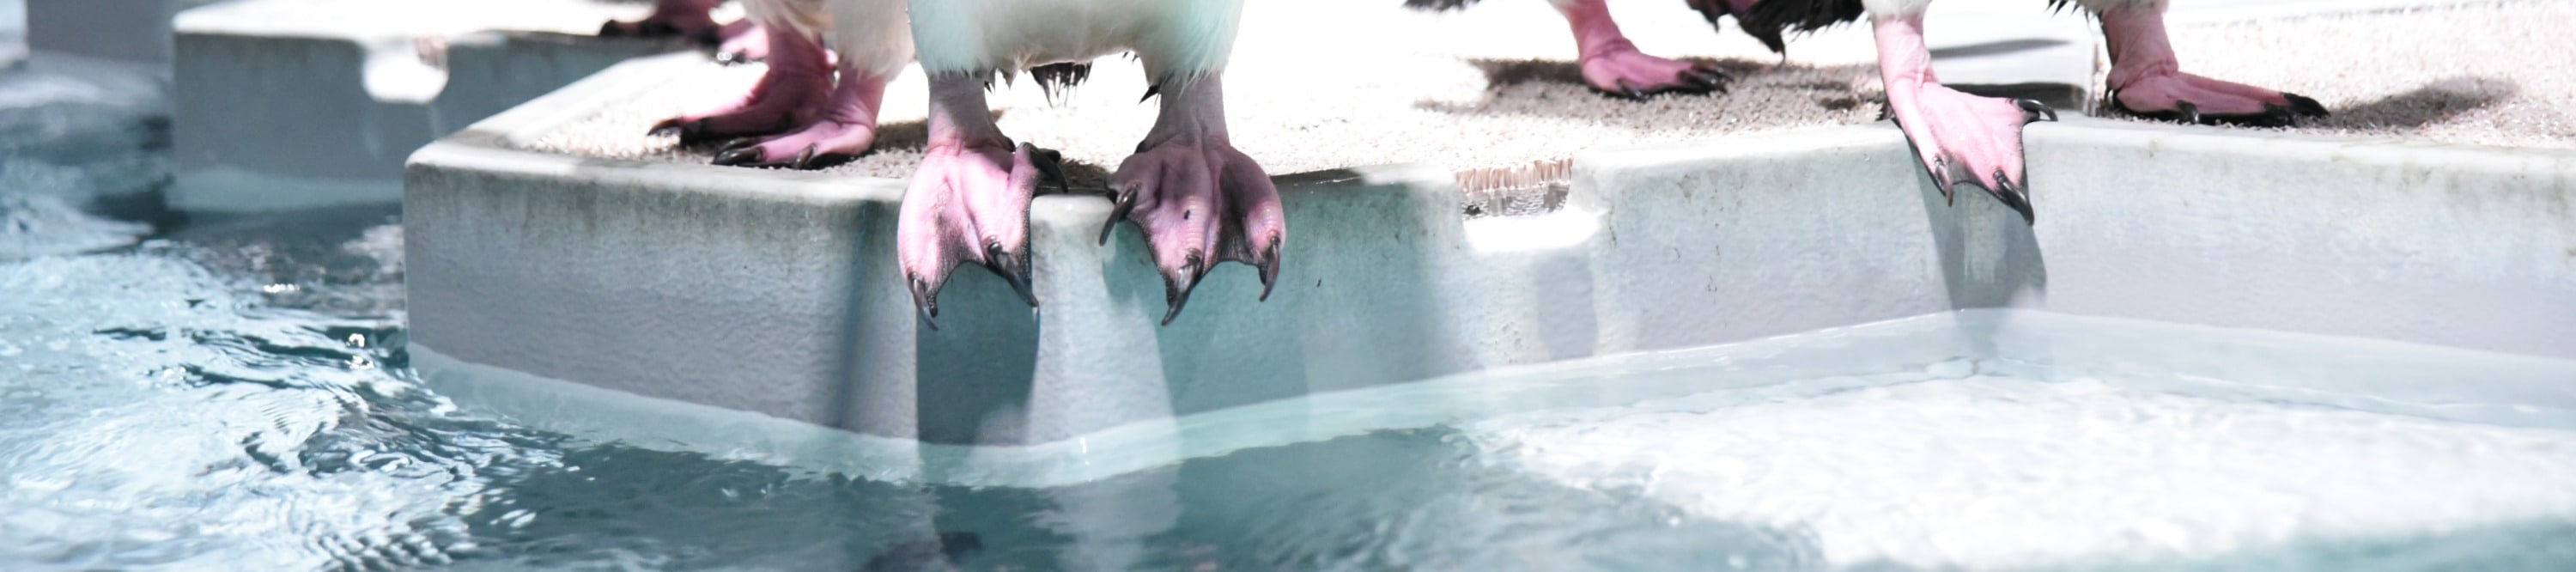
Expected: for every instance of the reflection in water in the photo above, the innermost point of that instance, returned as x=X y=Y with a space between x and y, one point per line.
x=235 y=396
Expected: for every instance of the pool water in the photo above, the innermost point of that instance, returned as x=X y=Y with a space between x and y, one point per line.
x=200 y=392
x=234 y=395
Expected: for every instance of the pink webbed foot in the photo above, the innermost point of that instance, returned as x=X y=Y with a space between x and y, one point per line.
x=1969 y=140
x=1961 y=139
x=2185 y=98
x=1613 y=66
x=670 y=18
x=1199 y=202
x=844 y=131
x=2147 y=81
x=970 y=204
x=796 y=89
x=1628 y=73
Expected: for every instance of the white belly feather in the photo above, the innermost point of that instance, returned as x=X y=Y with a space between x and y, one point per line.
x=1170 y=37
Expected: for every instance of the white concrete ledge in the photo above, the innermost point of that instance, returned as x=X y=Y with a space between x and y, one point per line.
x=776 y=293
x=297 y=103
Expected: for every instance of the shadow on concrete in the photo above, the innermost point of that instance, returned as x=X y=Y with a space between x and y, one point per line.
x=1354 y=296
x=2433 y=103
x=1997 y=48
x=974 y=376
x=2404 y=113
x=1989 y=257
x=1761 y=95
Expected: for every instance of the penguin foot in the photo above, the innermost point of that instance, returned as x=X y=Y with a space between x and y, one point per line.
x=969 y=203
x=847 y=127
x=1200 y=202
x=1627 y=73
x=1968 y=140
x=796 y=90
x=2185 y=98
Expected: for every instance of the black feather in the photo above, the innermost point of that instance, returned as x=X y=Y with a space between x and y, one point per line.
x=1775 y=17
x=1057 y=80
x=1437 y=5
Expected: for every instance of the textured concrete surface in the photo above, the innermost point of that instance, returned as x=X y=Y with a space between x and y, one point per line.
x=1495 y=86
x=1490 y=86
x=2483 y=74
x=775 y=292
x=759 y=309
x=295 y=103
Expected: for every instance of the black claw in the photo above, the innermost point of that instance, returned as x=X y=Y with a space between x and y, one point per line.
x=1050 y=164
x=1704 y=78
x=738 y=143
x=2304 y=106
x=1269 y=268
x=2013 y=196
x=1942 y=178
x=666 y=127
x=1630 y=91
x=609 y=29
x=1126 y=203
x=2188 y=112
x=733 y=58
x=739 y=156
x=1150 y=90
x=2032 y=110
x=2272 y=116
x=804 y=160
x=926 y=300
x=694 y=132
x=1176 y=287
x=1013 y=270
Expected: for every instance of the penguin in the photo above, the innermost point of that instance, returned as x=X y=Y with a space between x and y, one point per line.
x=806 y=111
x=1960 y=139
x=1963 y=139
x=737 y=41
x=1614 y=67
x=1199 y=201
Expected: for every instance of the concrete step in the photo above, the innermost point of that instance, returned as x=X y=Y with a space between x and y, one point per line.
x=776 y=292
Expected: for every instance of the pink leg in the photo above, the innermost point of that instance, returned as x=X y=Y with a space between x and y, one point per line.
x=744 y=41
x=969 y=199
x=1961 y=138
x=847 y=125
x=2147 y=80
x=1614 y=66
x=794 y=92
x=1199 y=201
x=682 y=18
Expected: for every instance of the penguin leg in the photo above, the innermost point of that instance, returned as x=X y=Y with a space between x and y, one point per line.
x=1199 y=201
x=794 y=91
x=1962 y=139
x=1613 y=66
x=2147 y=81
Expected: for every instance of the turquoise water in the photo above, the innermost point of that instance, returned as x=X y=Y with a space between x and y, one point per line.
x=187 y=391
x=233 y=395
